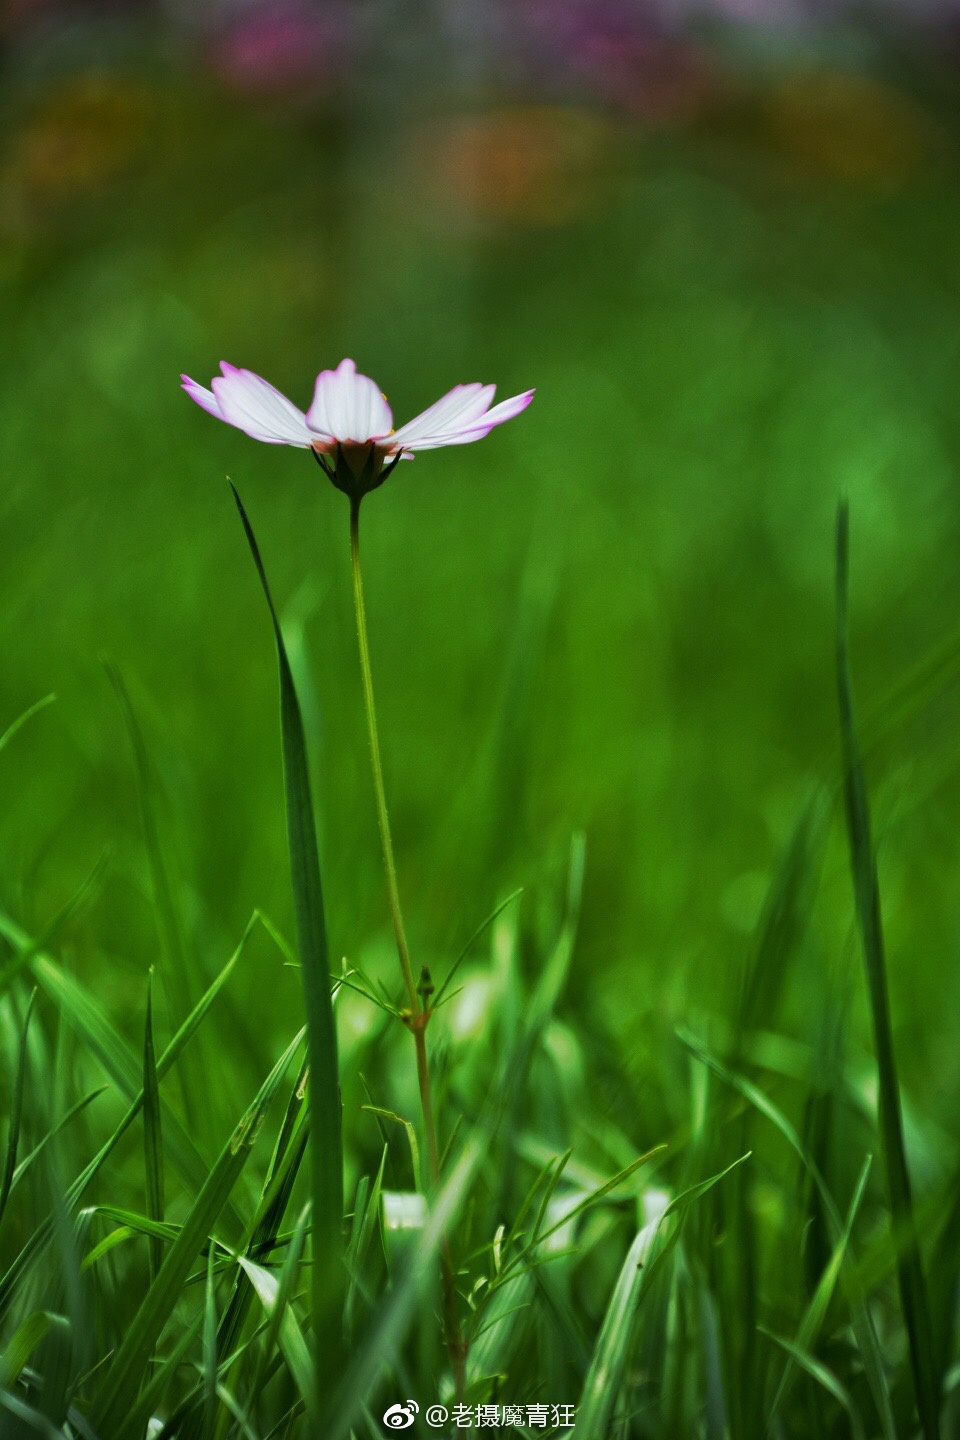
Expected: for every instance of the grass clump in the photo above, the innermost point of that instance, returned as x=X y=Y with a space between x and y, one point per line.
x=530 y=1245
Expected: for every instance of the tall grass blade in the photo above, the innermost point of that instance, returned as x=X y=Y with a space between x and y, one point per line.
x=328 y=1276
x=913 y=1290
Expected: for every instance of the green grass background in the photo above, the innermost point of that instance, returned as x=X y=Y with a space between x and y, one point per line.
x=614 y=615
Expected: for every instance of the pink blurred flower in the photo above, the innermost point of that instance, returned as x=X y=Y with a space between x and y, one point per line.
x=349 y=425
x=281 y=44
x=623 y=52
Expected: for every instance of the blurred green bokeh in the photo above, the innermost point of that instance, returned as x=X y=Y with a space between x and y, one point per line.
x=614 y=615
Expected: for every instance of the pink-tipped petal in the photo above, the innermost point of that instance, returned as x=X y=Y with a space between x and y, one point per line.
x=468 y=426
x=205 y=398
x=506 y=410
x=258 y=409
x=348 y=407
x=460 y=405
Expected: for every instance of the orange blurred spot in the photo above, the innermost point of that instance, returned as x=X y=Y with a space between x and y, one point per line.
x=541 y=165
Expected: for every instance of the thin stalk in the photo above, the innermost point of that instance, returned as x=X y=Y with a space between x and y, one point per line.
x=418 y=1009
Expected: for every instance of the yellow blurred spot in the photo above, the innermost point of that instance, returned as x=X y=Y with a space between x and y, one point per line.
x=851 y=128
x=82 y=137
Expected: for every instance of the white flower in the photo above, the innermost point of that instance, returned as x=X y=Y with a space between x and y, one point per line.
x=349 y=425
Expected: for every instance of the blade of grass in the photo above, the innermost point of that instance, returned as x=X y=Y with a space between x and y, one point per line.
x=110 y=1242
x=777 y=939
x=913 y=1290
x=944 y=1269
x=360 y=1243
x=861 y=1318
x=505 y=1314
x=35 y=1422
x=55 y=1363
x=26 y=949
x=292 y=1347
x=540 y=1006
x=169 y=925
x=784 y=919
x=130 y=1220
x=21 y=1345
x=379 y=1347
x=823 y=1376
x=278 y=1184
x=328 y=1276
x=40 y=1238
x=411 y=1135
x=24 y=719
x=605 y=1374
x=815 y=1313
x=162 y=1378
x=152 y=1134
x=210 y=1351
x=119 y=1389
x=152 y=1396
x=30 y=1160
x=16 y=1112
x=87 y=1016
x=495 y=914
x=287 y=1334
x=587 y=1203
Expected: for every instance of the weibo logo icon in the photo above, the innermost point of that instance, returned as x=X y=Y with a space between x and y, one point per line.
x=401 y=1416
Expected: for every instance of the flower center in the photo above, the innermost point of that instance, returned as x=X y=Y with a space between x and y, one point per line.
x=354 y=466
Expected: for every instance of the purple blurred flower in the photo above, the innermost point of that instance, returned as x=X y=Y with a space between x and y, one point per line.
x=349 y=421
x=280 y=45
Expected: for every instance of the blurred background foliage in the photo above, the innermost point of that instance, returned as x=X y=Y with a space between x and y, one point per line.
x=721 y=241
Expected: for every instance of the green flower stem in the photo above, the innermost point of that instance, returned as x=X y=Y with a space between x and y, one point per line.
x=418 y=1012
x=383 y=814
